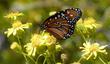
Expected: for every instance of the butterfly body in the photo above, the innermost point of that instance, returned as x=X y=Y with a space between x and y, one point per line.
x=62 y=24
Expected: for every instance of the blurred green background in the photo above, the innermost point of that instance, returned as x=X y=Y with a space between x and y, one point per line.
x=36 y=11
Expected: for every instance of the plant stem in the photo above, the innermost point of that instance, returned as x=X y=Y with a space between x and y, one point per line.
x=101 y=60
x=44 y=61
x=82 y=36
x=25 y=58
x=80 y=60
x=38 y=58
x=19 y=41
x=23 y=52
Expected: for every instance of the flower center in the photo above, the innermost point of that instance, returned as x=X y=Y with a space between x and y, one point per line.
x=94 y=47
x=16 y=24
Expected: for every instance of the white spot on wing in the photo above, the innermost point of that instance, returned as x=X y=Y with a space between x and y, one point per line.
x=55 y=17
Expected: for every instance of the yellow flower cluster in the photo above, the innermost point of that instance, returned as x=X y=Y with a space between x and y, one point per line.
x=17 y=26
x=14 y=15
x=38 y=41
x=90 y=50
x=87 y=25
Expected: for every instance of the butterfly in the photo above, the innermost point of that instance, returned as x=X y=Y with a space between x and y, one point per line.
x=62 y=24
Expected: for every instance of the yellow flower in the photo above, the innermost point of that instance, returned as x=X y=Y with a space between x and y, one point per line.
x=58 y=63
x=58 y=47
x=52 y=13
x=36 y=42
x=44 y=38
x=16 y=26
x=39 y=42
x=87 y=25
x=76 y=63
x=15 y=46
x=64 y=57
x=13 y=15
x=49 y=39
x=90 y=50
x=30 y=49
